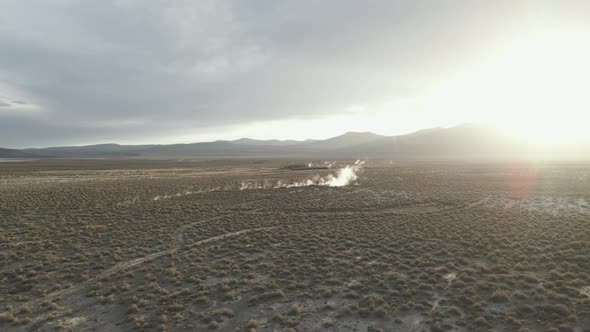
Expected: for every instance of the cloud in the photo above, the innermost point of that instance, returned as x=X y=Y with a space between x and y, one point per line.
x=12 y=105
x=145 y=70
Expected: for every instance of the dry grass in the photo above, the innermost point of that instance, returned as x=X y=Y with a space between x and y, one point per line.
x=436 y=245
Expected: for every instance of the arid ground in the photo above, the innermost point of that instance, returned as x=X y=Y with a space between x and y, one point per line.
x=111 y=245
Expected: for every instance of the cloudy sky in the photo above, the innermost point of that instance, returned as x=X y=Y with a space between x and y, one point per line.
x=84 y=72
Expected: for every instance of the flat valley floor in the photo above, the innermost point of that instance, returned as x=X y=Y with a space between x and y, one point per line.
x=118 y=245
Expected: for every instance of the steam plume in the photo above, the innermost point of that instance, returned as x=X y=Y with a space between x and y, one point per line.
x=343 y=177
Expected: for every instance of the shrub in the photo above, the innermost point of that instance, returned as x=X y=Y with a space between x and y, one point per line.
x=7 y=317
x=555 y=309
x=500 y=296
x=253 y=323
x=231 y=295
x=481 y=321
x=327 y=322
x=295 y=309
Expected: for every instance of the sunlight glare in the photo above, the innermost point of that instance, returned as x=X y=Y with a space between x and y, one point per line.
x=536 y=88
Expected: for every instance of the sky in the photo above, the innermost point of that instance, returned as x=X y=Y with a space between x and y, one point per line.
x=154 y=71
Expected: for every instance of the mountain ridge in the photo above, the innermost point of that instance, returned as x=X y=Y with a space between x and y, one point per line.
x=462 y=141
x=14 y=153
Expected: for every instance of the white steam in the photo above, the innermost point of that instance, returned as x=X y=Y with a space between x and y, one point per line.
x=343 y=177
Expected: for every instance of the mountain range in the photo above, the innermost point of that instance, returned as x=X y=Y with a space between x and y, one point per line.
x=463 y=141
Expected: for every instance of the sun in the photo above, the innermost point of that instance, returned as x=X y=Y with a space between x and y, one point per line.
x=536 y=87
x=544 y=84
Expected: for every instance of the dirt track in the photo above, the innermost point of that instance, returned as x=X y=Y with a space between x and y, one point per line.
x=134 y=262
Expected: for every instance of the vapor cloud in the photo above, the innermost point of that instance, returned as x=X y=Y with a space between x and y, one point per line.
x=343 y=177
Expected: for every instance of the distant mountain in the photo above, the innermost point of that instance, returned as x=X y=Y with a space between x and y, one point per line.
x=463 y=141
x=109 y=150
x=342 y=141
x=11 y=153
x=217 y=149
x=272 y=142
x=456 y=142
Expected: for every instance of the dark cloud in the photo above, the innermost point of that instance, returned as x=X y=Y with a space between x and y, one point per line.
x=142 y=70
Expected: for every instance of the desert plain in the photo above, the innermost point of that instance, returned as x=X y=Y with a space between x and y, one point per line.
x=249 y=245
